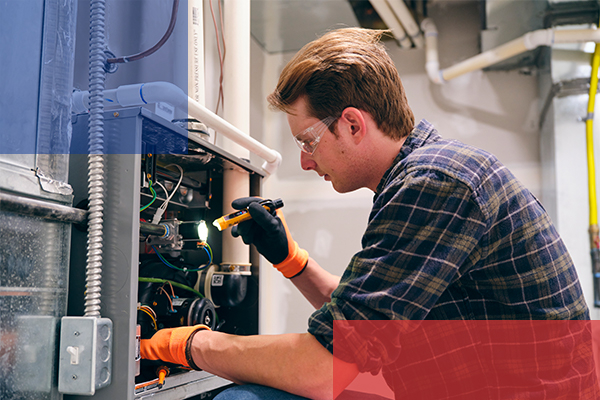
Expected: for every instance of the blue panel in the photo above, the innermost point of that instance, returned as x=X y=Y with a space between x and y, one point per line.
x=21 y=47
x=132 y=131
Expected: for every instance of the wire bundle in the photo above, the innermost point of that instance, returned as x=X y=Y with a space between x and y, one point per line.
x=206 y=248
x=163 y=207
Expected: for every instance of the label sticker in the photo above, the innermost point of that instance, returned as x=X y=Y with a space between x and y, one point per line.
x=217 y=280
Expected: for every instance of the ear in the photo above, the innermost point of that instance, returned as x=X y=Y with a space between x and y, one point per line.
x=354 y=123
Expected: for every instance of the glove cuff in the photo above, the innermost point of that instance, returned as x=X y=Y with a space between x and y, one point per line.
x=295 y=261
x=180 y=344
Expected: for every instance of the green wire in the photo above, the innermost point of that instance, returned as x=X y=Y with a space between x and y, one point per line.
x=153 y=197
x=210 y=250
x=176 y=284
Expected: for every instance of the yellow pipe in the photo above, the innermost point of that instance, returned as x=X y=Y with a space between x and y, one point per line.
x=589 y=128
x=594 y=232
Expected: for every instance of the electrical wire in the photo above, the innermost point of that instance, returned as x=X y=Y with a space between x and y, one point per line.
x=154 y=48
x=172 y=291
x=176 y=284
x=163 y=207
x=163 y=188
x=168 y=264
x=209 y=251
x=151 y=317
x=153 y=196
x=162 y=289
x=149 y=309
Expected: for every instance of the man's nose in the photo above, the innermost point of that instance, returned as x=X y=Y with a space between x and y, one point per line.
x=306 y=161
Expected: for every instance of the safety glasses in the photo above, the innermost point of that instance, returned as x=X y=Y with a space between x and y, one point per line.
x=309 y=139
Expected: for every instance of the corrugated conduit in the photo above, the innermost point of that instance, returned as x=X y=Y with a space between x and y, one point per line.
x=96 y=163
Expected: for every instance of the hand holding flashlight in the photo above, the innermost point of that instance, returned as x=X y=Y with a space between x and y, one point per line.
x=243 y=215
x=268 y=232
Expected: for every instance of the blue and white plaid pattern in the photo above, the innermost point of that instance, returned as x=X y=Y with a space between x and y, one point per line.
x=453 y=235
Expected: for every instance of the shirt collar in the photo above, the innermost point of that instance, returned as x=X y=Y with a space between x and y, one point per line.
x=421 y=134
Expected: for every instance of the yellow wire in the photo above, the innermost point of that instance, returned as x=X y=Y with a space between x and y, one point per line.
x=589 y=133
x=150 y=315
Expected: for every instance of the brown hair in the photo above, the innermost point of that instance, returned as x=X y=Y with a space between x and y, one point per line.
x=346 y=68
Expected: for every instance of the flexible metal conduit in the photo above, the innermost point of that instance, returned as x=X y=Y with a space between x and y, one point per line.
x=155 y=92
x=529 y=41
x=96 y=163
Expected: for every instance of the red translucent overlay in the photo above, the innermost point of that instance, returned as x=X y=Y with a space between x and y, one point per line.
x=468 y=359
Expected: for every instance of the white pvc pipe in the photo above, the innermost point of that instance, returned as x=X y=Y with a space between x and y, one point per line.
x=155 y=92
x=387 y=15
x=408 y=21
x=529 y=41
x=236 y=76
x=576 y=35
x=432 y=64
x=196 y=50
x=485 y=59
x=236 y=108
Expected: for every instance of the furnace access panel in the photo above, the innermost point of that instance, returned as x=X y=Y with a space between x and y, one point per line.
x=162 y=255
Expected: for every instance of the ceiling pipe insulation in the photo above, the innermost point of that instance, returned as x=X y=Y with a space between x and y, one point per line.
x=387 y=15
x=408 y=22
x=529 y=41
x=398 y=18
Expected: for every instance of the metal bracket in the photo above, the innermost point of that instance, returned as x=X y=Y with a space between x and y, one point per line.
x=51 y=185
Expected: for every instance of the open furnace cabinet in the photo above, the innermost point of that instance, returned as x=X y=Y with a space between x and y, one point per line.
x=160 y=275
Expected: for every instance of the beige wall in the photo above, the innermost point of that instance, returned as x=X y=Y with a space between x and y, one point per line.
x=497 y=111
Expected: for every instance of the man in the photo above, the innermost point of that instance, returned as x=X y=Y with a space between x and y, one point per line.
x=452 y=234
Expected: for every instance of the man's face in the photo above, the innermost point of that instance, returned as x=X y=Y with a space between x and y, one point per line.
x=331 y=158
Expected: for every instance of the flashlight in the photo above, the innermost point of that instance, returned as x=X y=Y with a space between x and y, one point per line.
x=243 y=215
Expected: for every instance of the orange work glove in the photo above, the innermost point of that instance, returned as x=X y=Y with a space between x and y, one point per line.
x=270 y=235
x=171 y=345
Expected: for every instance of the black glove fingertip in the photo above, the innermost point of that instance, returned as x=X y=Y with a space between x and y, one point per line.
x=244 y=202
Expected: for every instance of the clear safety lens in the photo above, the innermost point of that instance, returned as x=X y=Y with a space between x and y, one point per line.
x=309 y=138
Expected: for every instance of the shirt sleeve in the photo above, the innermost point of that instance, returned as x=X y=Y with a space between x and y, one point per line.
x=420 y=238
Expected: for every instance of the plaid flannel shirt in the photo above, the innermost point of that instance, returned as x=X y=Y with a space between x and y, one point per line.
x=452 y=235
